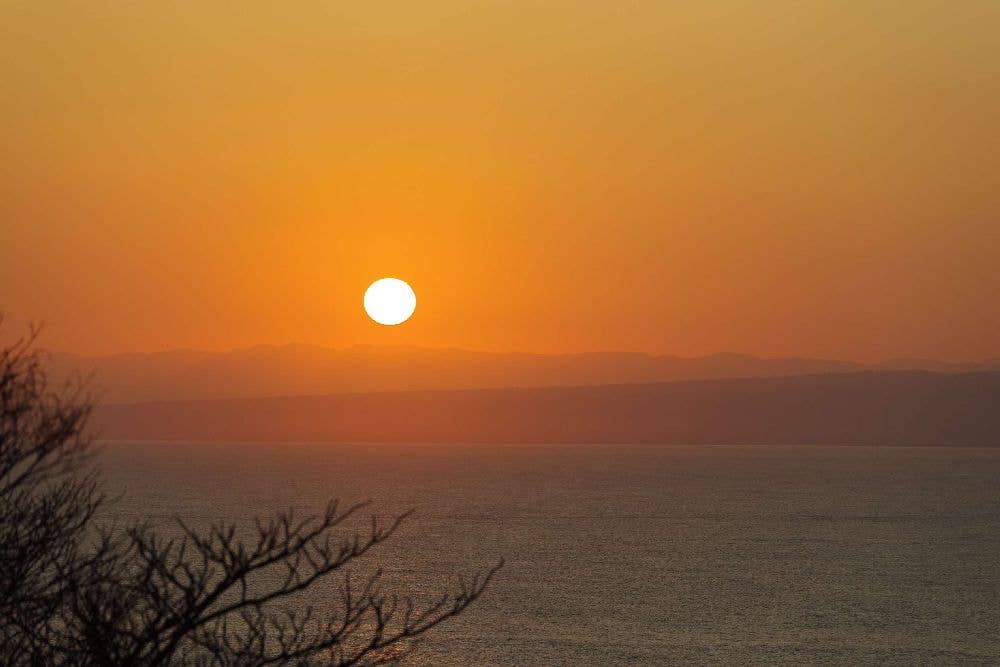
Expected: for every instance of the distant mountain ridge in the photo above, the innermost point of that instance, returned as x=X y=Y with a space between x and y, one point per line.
x=900 y=408
x=298 y=369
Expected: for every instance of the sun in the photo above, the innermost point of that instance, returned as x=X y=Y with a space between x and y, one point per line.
x=390 y=301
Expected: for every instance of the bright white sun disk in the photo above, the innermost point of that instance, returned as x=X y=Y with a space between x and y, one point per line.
x=390 y=301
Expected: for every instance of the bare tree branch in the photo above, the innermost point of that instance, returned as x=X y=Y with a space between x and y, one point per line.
x=73 y=594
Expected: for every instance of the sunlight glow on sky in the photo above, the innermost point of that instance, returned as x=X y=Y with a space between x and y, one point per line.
x=780 y=178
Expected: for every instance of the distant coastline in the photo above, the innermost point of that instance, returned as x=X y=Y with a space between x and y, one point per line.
x=291 y=370
x=895 y=408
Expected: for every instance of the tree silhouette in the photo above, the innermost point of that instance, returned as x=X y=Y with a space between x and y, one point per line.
x=47 y=499
x=73 y=593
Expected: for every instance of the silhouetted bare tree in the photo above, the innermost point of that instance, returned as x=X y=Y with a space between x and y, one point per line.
x=47 y=499
x=71 y=594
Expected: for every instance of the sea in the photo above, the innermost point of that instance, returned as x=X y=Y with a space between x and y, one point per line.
x=638 y=555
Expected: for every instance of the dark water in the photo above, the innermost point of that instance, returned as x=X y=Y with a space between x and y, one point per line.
x=645 y=555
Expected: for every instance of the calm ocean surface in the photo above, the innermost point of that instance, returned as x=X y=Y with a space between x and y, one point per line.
x=644 y=555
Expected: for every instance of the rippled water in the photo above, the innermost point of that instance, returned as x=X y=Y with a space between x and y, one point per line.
x=645 y=555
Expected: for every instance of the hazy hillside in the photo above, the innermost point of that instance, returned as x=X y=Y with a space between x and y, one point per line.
x=886 y=407
x=302 y=369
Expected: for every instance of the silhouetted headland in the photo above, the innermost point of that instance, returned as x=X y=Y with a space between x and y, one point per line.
x=898 y=408
x=287 y=370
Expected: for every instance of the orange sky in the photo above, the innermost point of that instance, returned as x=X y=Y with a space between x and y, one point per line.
x=780 y=178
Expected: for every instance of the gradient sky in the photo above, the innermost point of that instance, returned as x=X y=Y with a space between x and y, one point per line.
x=779 y=178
